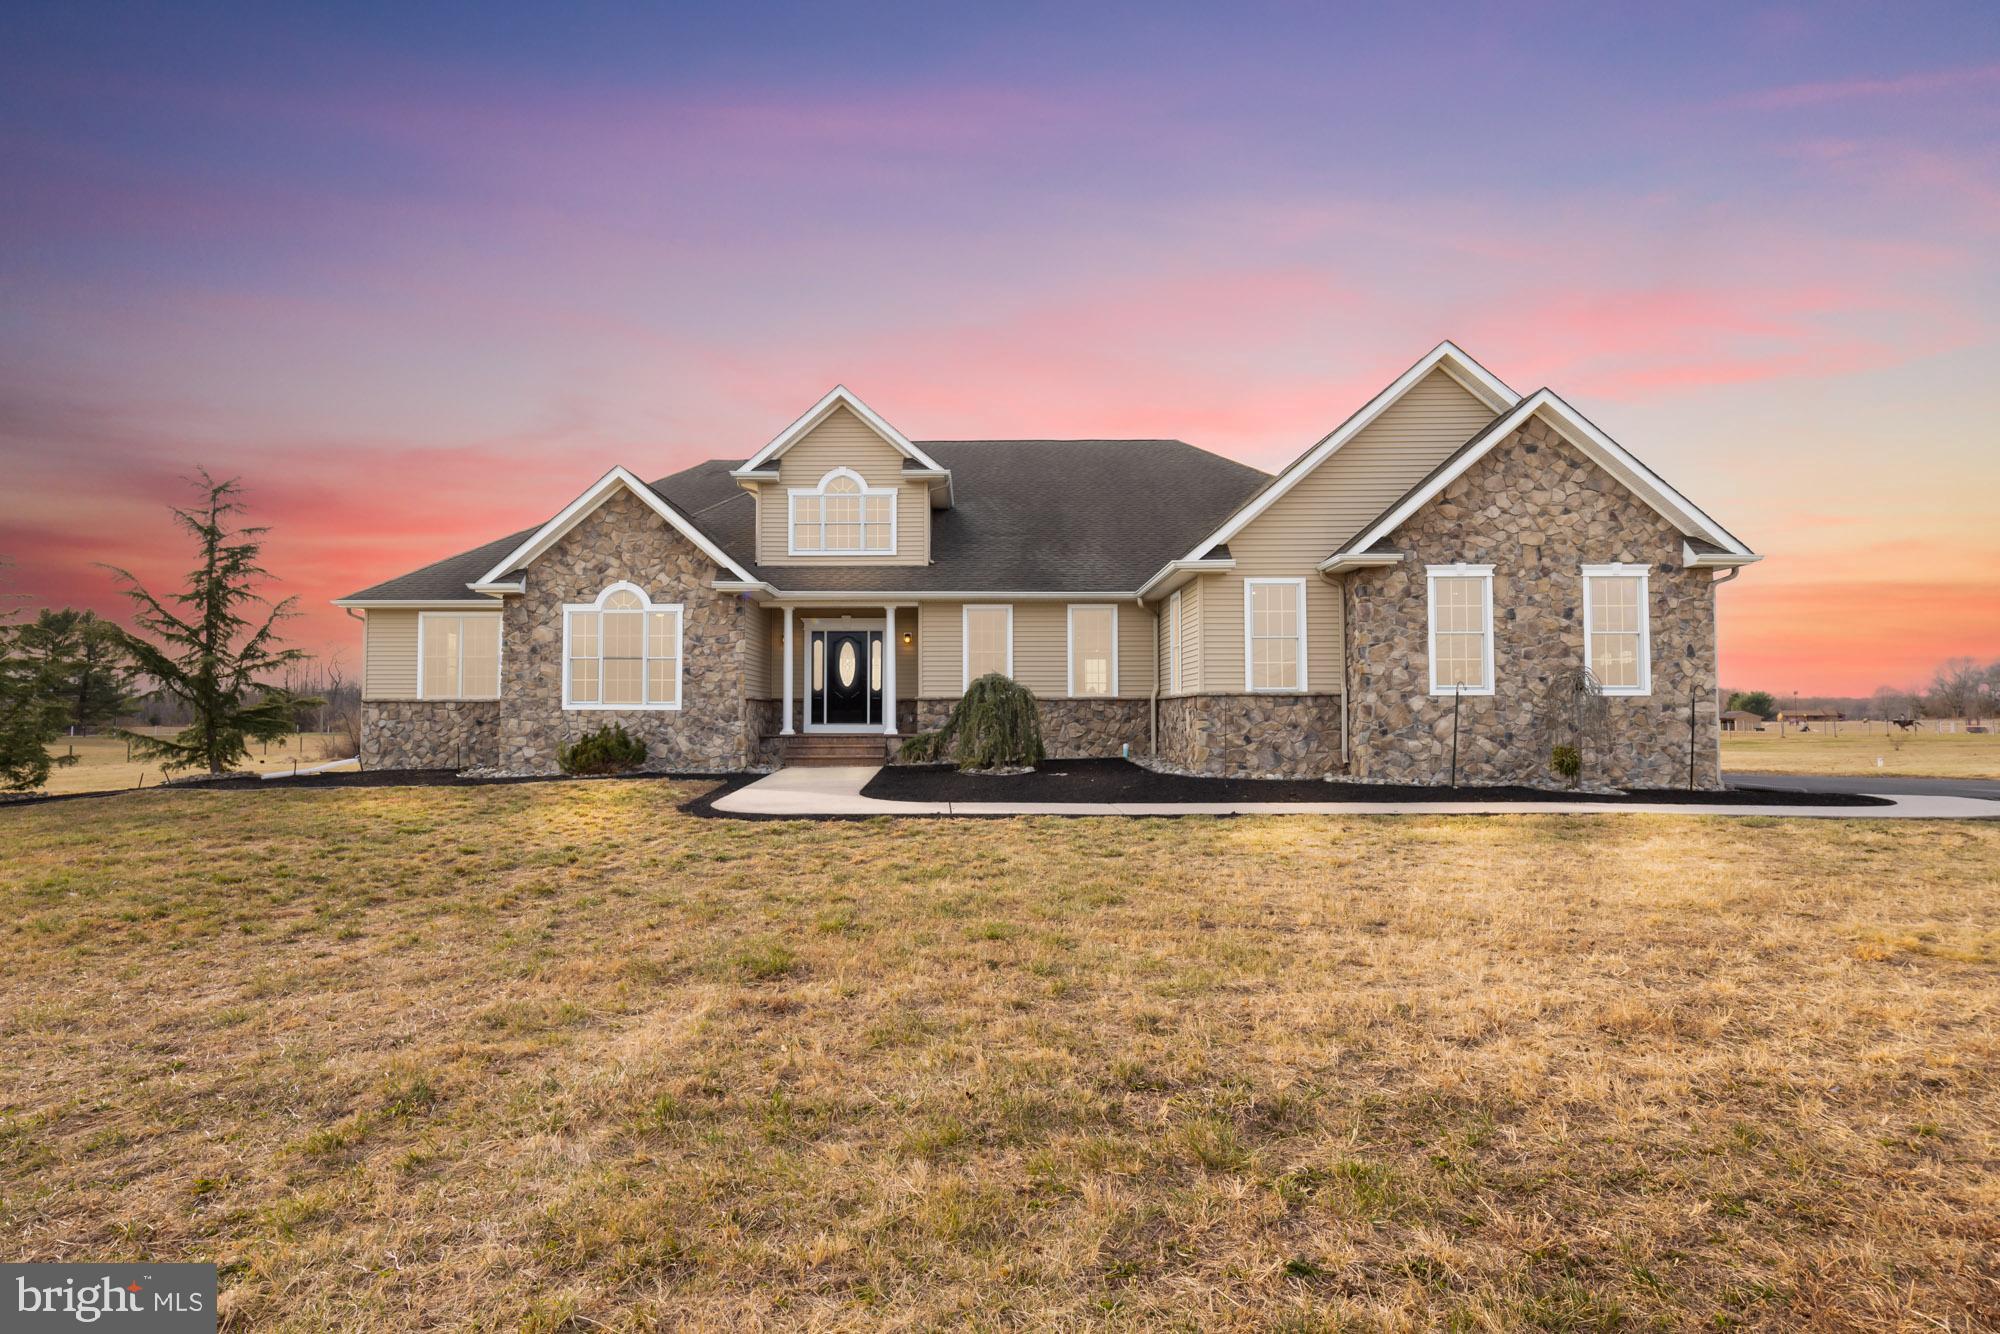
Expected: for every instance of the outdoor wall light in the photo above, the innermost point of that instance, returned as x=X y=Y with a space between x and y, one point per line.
x=908 y=639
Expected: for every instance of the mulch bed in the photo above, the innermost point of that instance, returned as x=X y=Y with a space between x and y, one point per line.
x=1123 y=781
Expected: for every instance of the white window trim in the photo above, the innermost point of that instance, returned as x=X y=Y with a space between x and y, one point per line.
x=1070 y=625
x=792 y=517
x=647 y=607
x=500 y=653
x=1249 y=647
x=1174 y=643
x=965 y=639
x=1641 y=573
x=1484 y=573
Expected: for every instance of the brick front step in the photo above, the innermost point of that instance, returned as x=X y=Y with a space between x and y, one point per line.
x=834 y=748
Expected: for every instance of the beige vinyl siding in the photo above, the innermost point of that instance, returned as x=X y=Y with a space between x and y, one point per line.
x=1326 y=508
x=1137 y=668
x=1041 y=648
x=843 y=440
x=1191 y=656
x=389 y=655
x=764 y=654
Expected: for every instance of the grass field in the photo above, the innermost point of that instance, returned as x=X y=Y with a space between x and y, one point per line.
x=101 y=763
x=556 y=1057
x=1853 y=751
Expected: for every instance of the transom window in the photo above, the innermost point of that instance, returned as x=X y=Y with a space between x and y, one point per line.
x=1461 y=625
x=843 y=516
x=460 y=656
x=1093 y=650
x=989 y=642
x=1617 y=634
x=622 y=651
x=1274 y=635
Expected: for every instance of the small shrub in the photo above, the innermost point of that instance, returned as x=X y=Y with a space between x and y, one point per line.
x=608 y=750
x=1566 y=762
x=994 y=725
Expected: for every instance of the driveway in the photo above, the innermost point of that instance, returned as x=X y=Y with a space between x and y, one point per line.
x=1988 y=788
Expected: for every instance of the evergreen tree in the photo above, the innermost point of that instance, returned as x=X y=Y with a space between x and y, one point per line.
x=29 y=720
x=218 y=644
x=82 y=665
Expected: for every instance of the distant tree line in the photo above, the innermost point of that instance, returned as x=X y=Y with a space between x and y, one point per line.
x=207 y=659
x=1959 y=688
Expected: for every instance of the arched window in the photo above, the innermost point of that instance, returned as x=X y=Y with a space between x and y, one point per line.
x=622 y=651
x=843 y=516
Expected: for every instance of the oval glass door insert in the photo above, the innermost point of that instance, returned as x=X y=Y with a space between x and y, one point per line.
x=845 y=664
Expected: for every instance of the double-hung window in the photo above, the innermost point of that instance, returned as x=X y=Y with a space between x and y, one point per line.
x=1274 y=635
x=460 y=655
x=622 y=651
x=989 y=642
x=1461 y=629
x=843 y=516
x=1093 y=650
x=1617 y=635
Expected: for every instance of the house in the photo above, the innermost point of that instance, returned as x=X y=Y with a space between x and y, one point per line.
x=1811 y=716
x=1440 y=554
x=1741 y=720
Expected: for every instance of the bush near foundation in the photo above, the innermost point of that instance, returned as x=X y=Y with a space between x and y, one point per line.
x=994 y=725
x=608 y=750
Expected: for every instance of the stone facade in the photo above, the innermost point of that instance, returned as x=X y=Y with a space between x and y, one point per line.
x=1536 y=510
x=1252 y=736
x=430 y=733
x=1072 y=729
x=624 y=540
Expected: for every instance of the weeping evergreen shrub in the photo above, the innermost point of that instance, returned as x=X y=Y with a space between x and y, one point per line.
x=994 y=725
x=608 y=750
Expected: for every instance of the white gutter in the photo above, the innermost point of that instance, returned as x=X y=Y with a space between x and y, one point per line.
x=1174 y=567
x=1341 y=562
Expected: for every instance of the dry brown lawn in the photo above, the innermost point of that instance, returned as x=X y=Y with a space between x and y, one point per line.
x=105 y=764
x=1921 y=754
x=556 y=1057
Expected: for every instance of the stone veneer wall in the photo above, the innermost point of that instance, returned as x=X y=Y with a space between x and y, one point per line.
x=1536 y=510
x=625 y=540
x=1251 y=736
x=429 y=733
x=1071 y=728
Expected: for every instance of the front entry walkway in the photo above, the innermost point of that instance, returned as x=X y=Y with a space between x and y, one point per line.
x=806 y=793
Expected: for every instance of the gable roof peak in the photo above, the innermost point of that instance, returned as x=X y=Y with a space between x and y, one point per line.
x=1447 y=356
x=836 y=398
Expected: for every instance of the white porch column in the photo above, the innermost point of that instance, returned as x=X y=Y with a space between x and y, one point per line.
x=889 y=670
x=785 y=726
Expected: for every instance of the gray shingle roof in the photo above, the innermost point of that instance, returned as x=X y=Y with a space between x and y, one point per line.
x=1030 y=515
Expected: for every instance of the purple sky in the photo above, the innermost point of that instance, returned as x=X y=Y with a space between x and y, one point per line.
x=420 y=280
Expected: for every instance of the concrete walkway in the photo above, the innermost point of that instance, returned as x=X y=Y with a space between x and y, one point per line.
x=808 y=792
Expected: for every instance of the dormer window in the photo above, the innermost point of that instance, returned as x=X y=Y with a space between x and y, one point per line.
x=843 y=516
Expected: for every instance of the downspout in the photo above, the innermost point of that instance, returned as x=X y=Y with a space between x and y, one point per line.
x=1346 y=675
x=1153 y=704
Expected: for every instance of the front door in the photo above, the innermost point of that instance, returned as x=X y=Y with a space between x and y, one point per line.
x=846 y=678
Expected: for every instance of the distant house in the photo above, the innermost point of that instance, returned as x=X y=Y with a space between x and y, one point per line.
x=1741 y=720
x=1811 y=716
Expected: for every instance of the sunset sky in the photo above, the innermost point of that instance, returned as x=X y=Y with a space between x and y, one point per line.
x=419 y=279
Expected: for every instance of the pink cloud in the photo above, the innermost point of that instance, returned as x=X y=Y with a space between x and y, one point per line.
x=1919 y=84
